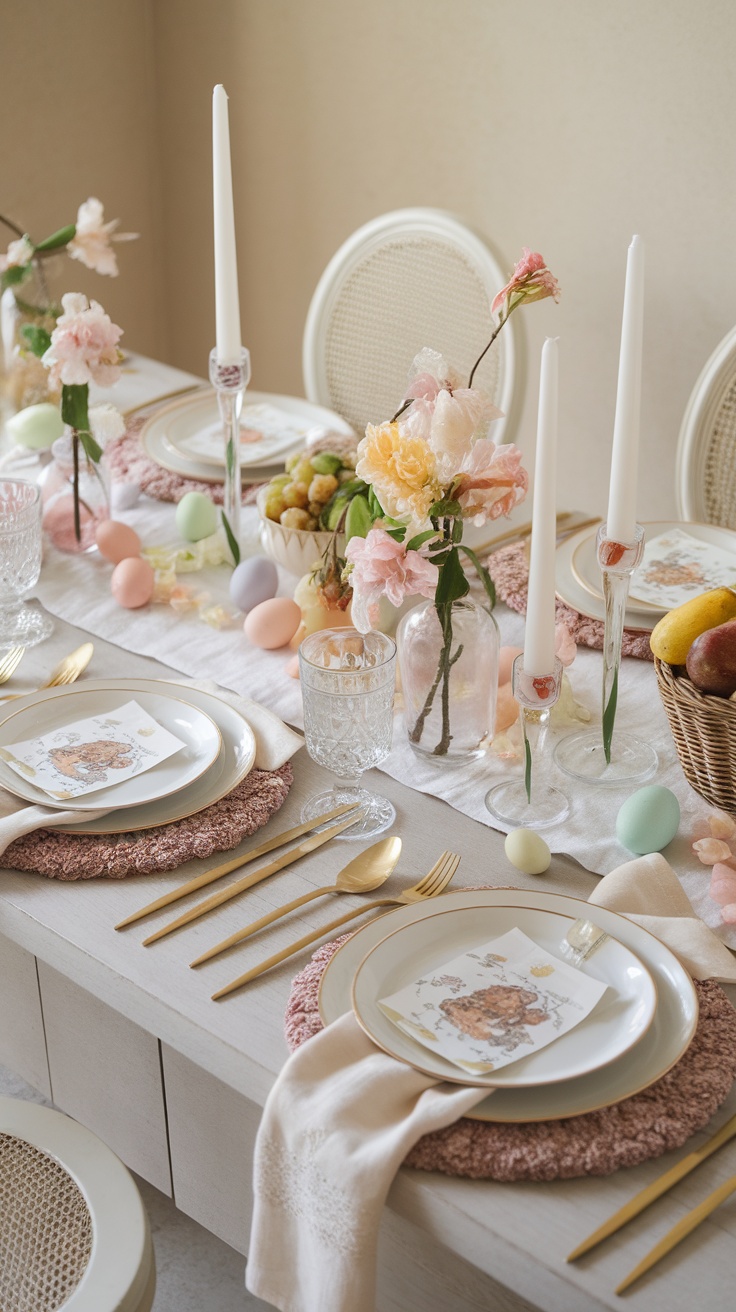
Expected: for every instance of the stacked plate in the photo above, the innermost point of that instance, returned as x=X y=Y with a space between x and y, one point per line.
x=639 y=1029
x=578 y=576
x=185 y=437
x=219 y=751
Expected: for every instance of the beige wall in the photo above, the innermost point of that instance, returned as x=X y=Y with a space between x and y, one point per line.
x=566 y=126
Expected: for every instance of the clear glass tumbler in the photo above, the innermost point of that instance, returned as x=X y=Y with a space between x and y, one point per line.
x=347 y=681
x=20 y=564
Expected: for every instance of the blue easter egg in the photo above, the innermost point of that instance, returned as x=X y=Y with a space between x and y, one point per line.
x=254 y=580
x=648 y=820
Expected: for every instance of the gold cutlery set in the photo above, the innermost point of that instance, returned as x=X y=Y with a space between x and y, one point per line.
x=67 y=671
x=365 y=872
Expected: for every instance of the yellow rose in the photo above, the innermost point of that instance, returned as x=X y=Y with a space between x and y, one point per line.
x=402 y=470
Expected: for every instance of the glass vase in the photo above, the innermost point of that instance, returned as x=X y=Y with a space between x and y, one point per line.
x=25 y=378
x=449 y=687
x=57 y=492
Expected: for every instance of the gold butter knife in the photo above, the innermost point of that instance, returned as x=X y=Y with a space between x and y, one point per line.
x=248 y=881
x=656 y=1189
x=216 y=872
x=684 y=1227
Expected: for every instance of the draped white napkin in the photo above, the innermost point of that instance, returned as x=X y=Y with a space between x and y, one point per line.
x=342 y=1116
x=276 y=743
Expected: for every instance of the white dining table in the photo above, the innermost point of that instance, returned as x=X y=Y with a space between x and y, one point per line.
x=127 y=1040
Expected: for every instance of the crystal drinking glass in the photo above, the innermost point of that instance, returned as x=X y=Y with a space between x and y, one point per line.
x=20 y=564
x=347 y=681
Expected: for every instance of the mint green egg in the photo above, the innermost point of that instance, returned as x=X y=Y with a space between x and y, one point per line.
x=36 y=427
x=196 y=517
x=648 y=820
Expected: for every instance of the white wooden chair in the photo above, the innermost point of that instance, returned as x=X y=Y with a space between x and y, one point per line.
x=409 y=279
x=705 y=477
x=73 y=1231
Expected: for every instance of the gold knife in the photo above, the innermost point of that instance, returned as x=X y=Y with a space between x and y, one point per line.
x=240 y=885
x=656 y=1189
x=216 y=872
x=679 y=1231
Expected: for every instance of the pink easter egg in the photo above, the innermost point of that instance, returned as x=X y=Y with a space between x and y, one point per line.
x=132 y=582
x=116 y=541
x=272 y=623
x=507 y=709
x=506 y=658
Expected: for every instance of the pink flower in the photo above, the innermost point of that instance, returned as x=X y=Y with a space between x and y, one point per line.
x=20 y=253
x=91 y=241
x=530 y=281
x=384 y=568
x=723 y=884
x=711 y=850
x=84 y=345
x=492 y=481
x=445 y=415
x=565 y=645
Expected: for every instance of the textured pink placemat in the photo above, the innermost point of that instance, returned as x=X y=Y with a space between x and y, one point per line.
x=149 y=851
x=128 y=463
x=509 y=569
x=653 y=1122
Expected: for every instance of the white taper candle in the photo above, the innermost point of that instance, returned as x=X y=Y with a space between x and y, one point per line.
x=227 y=306
x=539 y=638
x=621 y=517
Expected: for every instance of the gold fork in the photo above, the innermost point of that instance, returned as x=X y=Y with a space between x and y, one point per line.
x=10 y=662
x=67 y=671
x=433 y=883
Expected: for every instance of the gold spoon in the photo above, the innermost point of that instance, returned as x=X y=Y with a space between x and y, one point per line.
x=365 y=872
x=67 y=671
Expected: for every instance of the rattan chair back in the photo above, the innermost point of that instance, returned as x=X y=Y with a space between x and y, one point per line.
x=706 y=453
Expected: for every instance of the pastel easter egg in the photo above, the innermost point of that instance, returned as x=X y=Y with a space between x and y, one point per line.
x=292 y=669
x=527 y=851
x=196 y=517
x=36 y=427
x=253 y=581
x=132 y=582
x=273 y=623
x=116 y=541
x=648 y=820
x=506 y=658
x=507 y=708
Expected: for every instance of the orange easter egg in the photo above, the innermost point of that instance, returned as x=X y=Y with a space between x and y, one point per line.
x=116 y=541
x=273 y=623
x=506 y=658
x=132 y=582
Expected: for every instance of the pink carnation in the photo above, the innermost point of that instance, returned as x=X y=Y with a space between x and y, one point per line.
x=91 y=241
x=530 y=281
x=84 y=345
x=384 y=568
x=493 y=481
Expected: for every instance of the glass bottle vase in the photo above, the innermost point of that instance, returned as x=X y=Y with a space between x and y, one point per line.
x=449 y=686
x=57 y=493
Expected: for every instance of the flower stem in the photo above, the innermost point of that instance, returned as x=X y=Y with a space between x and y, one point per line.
x=75 y=454
x=487 y=348
x=13 y=226
x=444 y=667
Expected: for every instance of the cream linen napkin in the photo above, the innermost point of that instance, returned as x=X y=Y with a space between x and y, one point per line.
x=343 y=1115
x=276 y=743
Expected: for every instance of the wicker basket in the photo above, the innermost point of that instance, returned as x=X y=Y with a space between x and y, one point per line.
x=704 y=731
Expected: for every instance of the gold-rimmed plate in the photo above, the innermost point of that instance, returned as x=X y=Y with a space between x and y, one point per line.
x=233 y=762
x=620 y=1019
x=670 y=1033
x=574 y=595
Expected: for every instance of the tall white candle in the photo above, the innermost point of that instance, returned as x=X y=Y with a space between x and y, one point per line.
x=227 y=306
x=621 y=518
x=539 y=638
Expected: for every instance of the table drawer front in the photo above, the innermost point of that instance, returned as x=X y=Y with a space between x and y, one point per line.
x=22 y=1042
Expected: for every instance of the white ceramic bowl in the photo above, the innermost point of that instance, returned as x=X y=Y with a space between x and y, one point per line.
x=297 y=549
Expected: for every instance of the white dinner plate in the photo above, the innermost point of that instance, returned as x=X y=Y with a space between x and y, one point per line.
x=669 y=1034
x=234 y=761
x=172 y=437
x=620 y=1019
x=197 y=731
x=585 y=568
x=572 y=592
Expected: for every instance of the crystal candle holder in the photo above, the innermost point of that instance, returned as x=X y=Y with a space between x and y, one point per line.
x=532 y=802
x=230 y=382
x=605 y=757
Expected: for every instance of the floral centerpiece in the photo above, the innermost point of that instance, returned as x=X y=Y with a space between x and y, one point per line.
x=427 y=471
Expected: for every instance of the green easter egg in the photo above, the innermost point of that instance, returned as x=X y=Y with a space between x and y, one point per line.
x=36 y=427
x=196 y=517
x=648 y=820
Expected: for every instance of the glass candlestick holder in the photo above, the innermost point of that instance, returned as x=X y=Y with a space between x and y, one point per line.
x=604 y=756
x=230 y=382
x=532 y=802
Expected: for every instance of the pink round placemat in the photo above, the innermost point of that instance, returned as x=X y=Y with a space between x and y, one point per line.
x=509 y=569
x=653 y=1122
x=128 y=463
x=150 y=851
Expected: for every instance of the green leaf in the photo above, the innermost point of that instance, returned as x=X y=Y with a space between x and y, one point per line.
x=14 y=275
x=482 y=573
x=231 y=539
x=419 y=539
x=359 y=520
x=396 y=533
x=445 y=509
x=527 y=768
x=375 y=505
x=609 y=715
x=36 y=339
x=74 y=405
x=92 y=448
x=57 y=239
x=452 y=583
x=457 y=530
